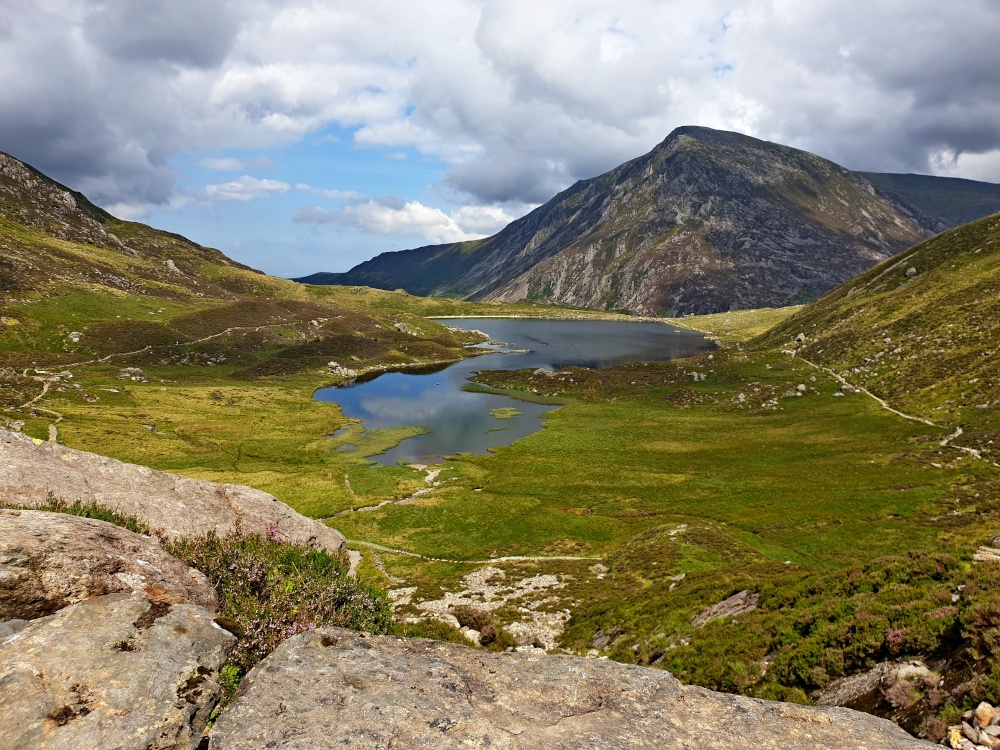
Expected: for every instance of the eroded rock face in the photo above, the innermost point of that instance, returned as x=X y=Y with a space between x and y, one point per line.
x=51 y=560
x=337 y=688
x=112 y=672
x=30 y=474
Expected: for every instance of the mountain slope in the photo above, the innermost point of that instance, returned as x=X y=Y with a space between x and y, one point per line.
x=920 y=330
x=707 y=221
x=79 y=286
x=953 y=200
x=51 y=235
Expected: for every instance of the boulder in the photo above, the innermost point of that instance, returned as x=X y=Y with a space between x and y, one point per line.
x=31 y=474
x=111 y=672
x=51 y=560
x=737 y=604
x=338 y=688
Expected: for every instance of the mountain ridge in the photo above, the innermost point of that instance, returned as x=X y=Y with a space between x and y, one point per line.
x=707 y=221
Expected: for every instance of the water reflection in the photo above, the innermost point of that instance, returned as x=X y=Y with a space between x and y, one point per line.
x=460 y=421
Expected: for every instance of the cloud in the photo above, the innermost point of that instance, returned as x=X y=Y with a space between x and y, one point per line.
x=224 y=164
x=336 y=195
x=245 y=188
x=387 y=216
x=197 y=33
x=520 y=98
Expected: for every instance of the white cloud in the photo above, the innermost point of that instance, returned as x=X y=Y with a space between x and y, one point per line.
x=245 y=188
x=224 y=164
x=392 y=216
x=335 y=195
x=128 y=211
x=520 y=97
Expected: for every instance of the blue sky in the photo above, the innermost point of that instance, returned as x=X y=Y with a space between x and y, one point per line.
x=255 y=222
x=302 y=135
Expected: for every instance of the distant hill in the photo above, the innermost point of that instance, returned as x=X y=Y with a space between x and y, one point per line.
x=707 y=221
x=921 y=330
x=320 y=278
x=79 y=285
x=52 y=236
x=954 y=201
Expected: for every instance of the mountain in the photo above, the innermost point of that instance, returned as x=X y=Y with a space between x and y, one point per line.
x=707 y=221
x=52 y=236
x=954 y=201
x=920 y=330
x=79 y=285
x=323 y=277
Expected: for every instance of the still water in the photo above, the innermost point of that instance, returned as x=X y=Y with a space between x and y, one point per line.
x=460 y=422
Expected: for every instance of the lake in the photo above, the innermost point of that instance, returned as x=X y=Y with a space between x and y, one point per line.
x=459 y=421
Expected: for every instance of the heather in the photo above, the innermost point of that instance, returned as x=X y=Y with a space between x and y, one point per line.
x=271 y=589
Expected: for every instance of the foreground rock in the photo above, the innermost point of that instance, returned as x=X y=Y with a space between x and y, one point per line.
x=51 y=560
x=337 y=688
x=32 y=474
x=111 y=672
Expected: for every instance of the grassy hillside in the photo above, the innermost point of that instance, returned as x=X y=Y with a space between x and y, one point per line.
x=920 y=331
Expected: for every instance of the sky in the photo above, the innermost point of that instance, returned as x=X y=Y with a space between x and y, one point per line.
x=301 y=136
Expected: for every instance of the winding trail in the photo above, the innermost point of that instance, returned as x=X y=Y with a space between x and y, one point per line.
x=947 y=442
x=509 y=558
x=53 y=430
x=432 y=474
x=47 y=382
x=881 y=401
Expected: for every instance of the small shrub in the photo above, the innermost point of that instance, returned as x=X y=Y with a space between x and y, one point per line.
x=272 y=589
x=490 y=635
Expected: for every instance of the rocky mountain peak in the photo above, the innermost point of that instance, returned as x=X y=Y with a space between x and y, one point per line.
x=707 y=221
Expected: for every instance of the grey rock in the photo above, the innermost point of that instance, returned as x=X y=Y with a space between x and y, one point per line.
x=743 y=601
x=51 y=560
x=911 y=272
x=970 y=733
x=112 y=672
x=9 y=627
x=30 y=473
x=336 y=688
x=873 y=690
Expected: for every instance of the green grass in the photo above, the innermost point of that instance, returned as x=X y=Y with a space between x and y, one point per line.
x=505 y=412
x=737 y=325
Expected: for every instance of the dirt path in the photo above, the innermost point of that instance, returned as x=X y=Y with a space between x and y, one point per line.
x=432 y=474
x=882 y=402
x=510 y=558
x=53 y=430
x=255 y=329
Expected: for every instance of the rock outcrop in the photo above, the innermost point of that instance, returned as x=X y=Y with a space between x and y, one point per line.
x=31 y=474
x=49 y=561
x=337 y=688
x=112 y=672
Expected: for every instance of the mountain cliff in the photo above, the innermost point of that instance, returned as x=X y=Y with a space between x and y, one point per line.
x=707 y=221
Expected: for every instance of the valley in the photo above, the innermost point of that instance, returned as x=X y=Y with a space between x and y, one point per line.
x=656 y=491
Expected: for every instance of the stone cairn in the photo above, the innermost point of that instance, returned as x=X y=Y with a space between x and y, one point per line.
x=979 y=730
